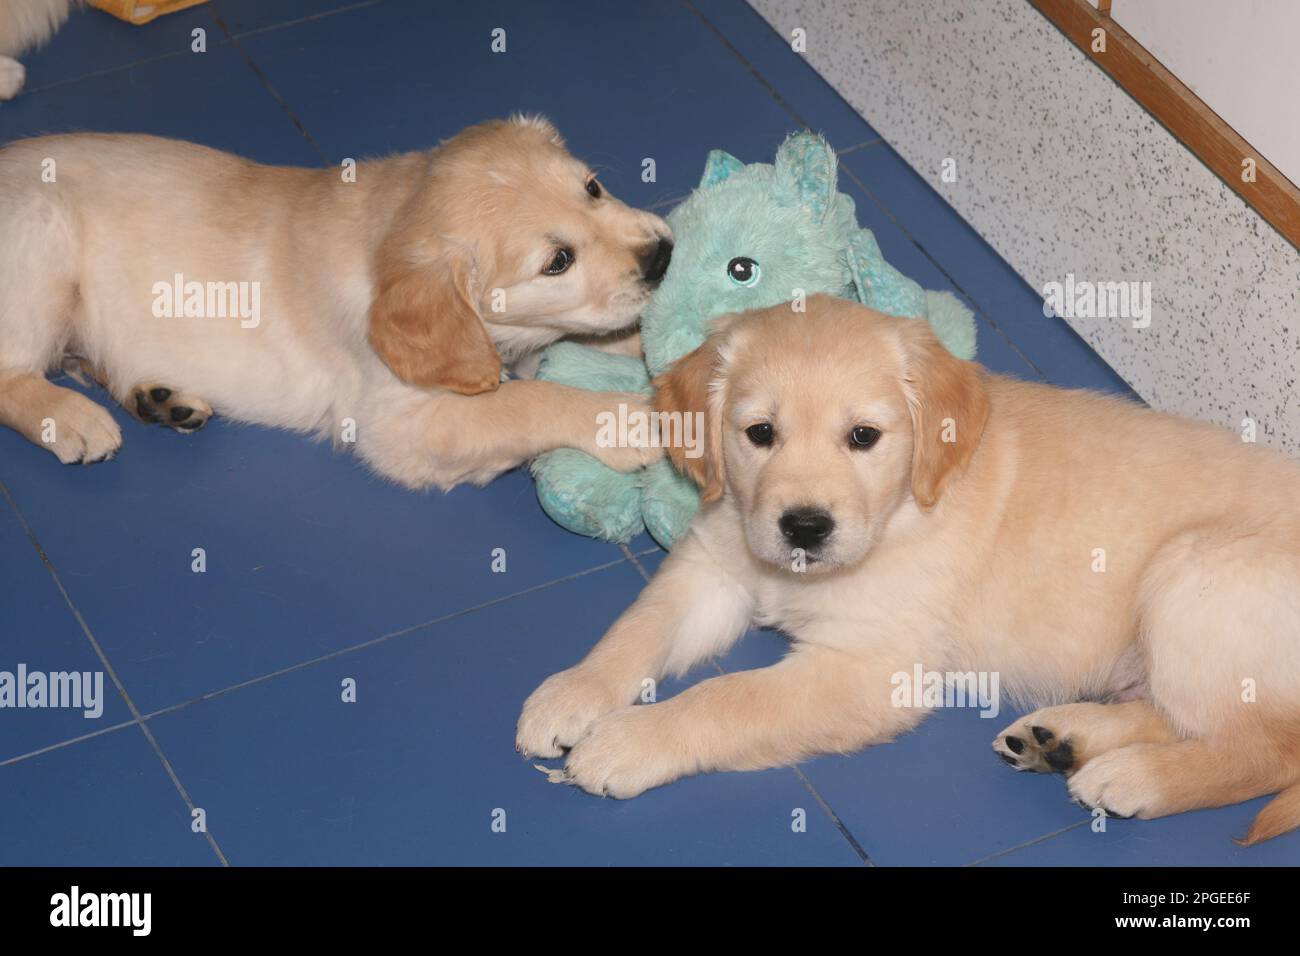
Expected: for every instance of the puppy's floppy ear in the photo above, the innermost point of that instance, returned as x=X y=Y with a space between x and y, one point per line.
x=424 y=323
x=949 y=408
x=687 y=388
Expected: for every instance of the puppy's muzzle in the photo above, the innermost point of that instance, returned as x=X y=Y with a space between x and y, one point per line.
x=655 y=263
x=806 y=528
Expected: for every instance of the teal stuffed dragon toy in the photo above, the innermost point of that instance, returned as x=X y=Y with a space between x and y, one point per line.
x=747 y=238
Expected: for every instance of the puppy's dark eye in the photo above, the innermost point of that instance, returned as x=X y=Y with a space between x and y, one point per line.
x=743 y=271
x=864 y=436
x=563 y=259
x=593 y=188
x=760 y=434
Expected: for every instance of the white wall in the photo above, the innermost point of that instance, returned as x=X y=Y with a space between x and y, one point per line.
x=1063 y=173
x=1239 y=57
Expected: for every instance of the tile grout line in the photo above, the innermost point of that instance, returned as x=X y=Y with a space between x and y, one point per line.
x=59 y=745
x=284 y=24
x=59 y=84
x=266 y=85
x=753 y=71
x=835 y=818
x=978 y=309
x=108 y=667
x=175 y=53
x=857 y=146
x=1028 y=843
x=789 y=108
x=142 y=719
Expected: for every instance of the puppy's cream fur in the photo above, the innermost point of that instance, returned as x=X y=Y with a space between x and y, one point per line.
x=388 y=304
x=966 y=539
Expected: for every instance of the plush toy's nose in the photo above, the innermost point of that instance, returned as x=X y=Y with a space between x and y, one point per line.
x=655 y=264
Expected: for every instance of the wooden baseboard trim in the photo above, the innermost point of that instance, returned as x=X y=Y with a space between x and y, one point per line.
x=1181 y=111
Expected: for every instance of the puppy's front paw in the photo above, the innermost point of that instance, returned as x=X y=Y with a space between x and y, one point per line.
x=80 y=430
x=559 y=712
x=12 y=76
x=1124 y=783
x=624 y=754
x=625 y=438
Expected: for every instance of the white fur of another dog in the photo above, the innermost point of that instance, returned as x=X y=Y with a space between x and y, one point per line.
x=25 y=25
x=389 y=301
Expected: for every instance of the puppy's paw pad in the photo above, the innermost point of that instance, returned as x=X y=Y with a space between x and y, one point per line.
x=1031 y=746
x=163 y=405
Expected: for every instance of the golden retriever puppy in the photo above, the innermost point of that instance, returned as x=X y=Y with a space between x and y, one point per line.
x=374 y=304
x=892 y=508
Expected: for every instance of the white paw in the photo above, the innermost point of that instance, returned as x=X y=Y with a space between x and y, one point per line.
x=1121 y=782
x=624 y=754
x=559 y=712
x=12 y=76
x=79 y=430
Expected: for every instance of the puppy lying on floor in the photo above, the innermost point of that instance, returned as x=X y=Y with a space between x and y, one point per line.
x=373 y=305
x=953 y=519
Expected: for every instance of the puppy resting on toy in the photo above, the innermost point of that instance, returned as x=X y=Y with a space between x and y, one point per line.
x=888 y=505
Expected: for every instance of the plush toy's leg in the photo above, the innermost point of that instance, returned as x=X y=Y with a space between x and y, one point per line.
x=585 y=497
x=952 y=322
x=668 y=502
x=579 y=493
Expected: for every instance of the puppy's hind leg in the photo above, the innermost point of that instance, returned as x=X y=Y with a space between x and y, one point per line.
x=38 y=298
x=152 y=404
x=1220 y=613
x=1062 y=739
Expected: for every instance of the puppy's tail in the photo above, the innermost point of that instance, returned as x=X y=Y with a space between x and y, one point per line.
x=1280 y=815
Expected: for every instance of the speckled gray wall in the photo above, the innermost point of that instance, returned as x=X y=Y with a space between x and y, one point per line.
x=1061 y=172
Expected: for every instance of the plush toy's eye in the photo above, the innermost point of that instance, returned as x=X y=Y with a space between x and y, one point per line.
x=760 y=434
x=743 y=271
x=864 y=436
x=563 y=259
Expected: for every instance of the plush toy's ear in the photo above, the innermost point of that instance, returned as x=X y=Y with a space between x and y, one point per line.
x=806 y=173
x=718 y=167
x=425 y=326
x=879 y=285
x=949 y=408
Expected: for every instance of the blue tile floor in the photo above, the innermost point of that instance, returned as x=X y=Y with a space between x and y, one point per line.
x=223 y=690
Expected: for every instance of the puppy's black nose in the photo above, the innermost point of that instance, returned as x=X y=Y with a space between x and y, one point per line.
x=655 y=264
x=806 y=527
